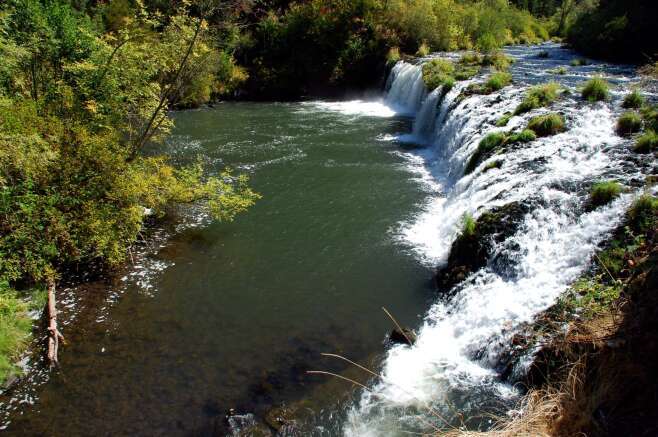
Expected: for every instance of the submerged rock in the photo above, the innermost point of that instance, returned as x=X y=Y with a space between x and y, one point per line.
x=471 y=252
x=404 y=336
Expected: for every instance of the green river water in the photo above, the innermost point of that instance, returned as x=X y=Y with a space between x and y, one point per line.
x=237 y=312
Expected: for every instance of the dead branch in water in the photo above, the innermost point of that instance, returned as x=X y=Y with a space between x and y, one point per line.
x=54 y=336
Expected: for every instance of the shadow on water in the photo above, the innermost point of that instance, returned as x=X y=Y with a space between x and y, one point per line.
x=232 y=315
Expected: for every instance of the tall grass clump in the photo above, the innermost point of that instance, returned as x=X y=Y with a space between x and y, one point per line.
x=438 y=72
x=538 y=96
x=498 y=60
x=643 y=212
x=469 y=226
x=487 y=145
x=596 y=90
x=423 y=49
x=545 y=125
x=497 y=81
x=393 y=56
x=629 y=123
x=525 y=136
x=634 y=100
x=604 y=192
x=647 y=142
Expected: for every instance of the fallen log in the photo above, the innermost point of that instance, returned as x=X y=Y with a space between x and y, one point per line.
x=54 y=336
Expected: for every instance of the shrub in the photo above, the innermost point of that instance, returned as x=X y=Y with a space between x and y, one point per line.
x=543 y=54
x=579 y=62
x=538 y=96
x=486 y=146
x=497 y=60
x=561 y=71
x=393 y=55
x=423 y=49
x=438 y=72
x=545 y=125
x=650 y=116
x=468 y=226
x=525 y=136
x=643 y=213
x=471 y=58
x=634 y=100
x=502 y=121
x=629 y=123
x=648 y=142
x=596 y=90
x=498 y=81
x=604 y=192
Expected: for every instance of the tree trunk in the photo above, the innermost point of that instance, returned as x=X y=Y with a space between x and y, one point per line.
x=53 y=333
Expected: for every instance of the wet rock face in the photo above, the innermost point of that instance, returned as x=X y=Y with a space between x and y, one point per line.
x=404 y=336
x=472 y=252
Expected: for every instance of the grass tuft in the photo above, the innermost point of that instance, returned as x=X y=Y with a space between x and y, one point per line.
x=546 y=125
x=525 y=136
x=596 y=90
x=634 y=100
x=603 y=193
x=629 y=123
x=647 y=142
x=487 y=145
x=538 y=96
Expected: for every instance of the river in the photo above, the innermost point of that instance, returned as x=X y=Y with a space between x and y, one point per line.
x=361 y=200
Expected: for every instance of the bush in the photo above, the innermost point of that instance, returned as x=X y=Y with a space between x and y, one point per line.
x=543 y=54
x=648 y=142
x=643 y=213
x=468 y=226
x=603 y=193
x=423 y=49
x=438 y=72
x=545 y=125
x=471 y=58
x=497 y=60
x=486 y=146
x=502 y=121
x=393 y=55
x=596 y=90
x=629 y=123
x=561 y=71
x=634 y=100
x=498 y=81
x=579 y=62
x=538 y=96
x=650 y=116
x=525 y=136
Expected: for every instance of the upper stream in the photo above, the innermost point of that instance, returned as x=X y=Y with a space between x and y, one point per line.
x=361 y=201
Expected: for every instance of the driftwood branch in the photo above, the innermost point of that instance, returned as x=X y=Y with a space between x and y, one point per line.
x=54 y=336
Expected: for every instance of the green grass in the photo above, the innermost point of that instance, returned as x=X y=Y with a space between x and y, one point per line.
x=15 y=325
x=393 y=55
x=525 y=136
x=643 y=212
x=437 y=73
x=579 y=62
x=629 y=123
x=650 y=117
x=634 y=100
x=604 y=192
x=468 y=226
x=647 y=142
x=423 y=49
x=545 y=125
x=498 y=81
x=596 y=90
x=471 y=58
x=487 y=145
x=561 y=71
x=498 y=60
x=493 y=164
x=502 y=121
x=538 y=96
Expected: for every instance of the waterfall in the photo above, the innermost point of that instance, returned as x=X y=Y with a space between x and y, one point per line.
x=452 y=366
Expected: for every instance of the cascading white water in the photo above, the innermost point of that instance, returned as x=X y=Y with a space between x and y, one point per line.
x=452 y=365
x=406 y=89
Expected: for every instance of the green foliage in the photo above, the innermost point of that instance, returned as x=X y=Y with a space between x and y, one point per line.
x=498 y=81
x=647 y=142
x=593 y=295
x=502 y=121
x=595 y=90
x=438 y=73
x=393 y=55
x=423 y=49
x=469 y=226
x=538 y=96
x=525 y=136
x=561 y=71
x=579 y=62
x=498 y=60
x=643 y=214
x=629 y=123
x=548 y=124
x=634 y=100
x=650 y=117
x=604 y=192
x=487 y=145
